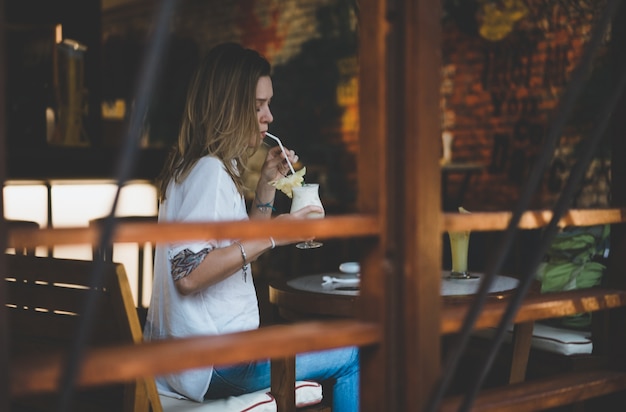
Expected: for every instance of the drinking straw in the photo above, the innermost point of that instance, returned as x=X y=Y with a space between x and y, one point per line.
x=281 y=148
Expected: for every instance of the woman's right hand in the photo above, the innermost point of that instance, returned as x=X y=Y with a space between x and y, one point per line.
x=298 y=214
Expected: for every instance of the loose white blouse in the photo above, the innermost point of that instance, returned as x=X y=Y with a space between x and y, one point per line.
x=207 y=194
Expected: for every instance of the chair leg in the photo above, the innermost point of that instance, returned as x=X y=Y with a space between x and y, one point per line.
x=283 y=377
x=522 y=339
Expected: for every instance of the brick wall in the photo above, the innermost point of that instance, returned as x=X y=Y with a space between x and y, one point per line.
x=499 y=97
x=311 y=45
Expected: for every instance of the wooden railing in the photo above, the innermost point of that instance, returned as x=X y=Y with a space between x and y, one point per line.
x=125 y=363
x=330 y=227
x=128 y=362
x=537 y=307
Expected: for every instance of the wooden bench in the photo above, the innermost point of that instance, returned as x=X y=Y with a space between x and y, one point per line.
x=45 y=299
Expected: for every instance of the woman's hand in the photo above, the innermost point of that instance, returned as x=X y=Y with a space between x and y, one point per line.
x=275 y=165
x=298 y=214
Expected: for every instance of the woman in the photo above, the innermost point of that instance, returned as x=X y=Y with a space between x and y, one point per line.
x=205 y=287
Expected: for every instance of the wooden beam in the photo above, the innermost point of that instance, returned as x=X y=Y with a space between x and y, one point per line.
x=419 y=222
x=352 y=225
x=4 y=338
x=535 y=307
x=544 y=393
x=125 y=363
x=332 y=226
x=378 y=382
x=482 y=221
x=612 y=331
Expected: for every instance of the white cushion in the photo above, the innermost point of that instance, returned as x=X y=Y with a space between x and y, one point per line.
x=552 y=339
x=561 y=340
x=307 y=393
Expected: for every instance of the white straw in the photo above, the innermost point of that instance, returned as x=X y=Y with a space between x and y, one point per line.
x=281 y=148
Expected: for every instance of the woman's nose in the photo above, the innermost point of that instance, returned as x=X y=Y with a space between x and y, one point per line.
x=267 y=116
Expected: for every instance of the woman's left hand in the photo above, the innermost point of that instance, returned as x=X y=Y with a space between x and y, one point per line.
x=275 y=165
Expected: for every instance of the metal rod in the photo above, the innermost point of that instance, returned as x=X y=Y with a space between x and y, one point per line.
x=147 y=79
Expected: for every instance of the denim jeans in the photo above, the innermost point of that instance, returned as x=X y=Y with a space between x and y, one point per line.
x=340 y=365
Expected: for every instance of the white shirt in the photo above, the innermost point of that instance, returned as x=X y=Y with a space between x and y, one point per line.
x=207 y=194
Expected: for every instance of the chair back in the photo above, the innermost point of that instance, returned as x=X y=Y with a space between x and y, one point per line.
x=45 y=302
x=22 y=224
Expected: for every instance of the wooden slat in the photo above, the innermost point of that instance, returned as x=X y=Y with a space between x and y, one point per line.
x=34 y=329
x=124 y=363
x=344 y=226
x=74 y=272
x=332 y=226
x=545 y=393
x=45 y=296
x=482 y=221
x=536 y=307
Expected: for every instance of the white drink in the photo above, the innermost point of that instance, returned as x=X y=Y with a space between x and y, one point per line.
x=305 y=195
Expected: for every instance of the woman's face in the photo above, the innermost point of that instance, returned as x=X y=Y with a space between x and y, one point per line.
x=264 y=93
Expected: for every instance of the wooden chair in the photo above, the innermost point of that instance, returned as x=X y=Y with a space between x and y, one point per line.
x=106 y=254
x=45 y=297
x=22 y=224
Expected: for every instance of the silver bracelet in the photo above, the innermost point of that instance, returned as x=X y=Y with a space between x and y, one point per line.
x=273 y=243
x=244 y=258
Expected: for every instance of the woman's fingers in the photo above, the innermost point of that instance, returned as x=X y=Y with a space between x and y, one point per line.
x=298 y=214
x=304 y=212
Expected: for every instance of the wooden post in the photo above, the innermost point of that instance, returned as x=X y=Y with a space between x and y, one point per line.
x=617 y=265
x=4 y=339
x=380 y=386
x=419 y=242
x=283 y=372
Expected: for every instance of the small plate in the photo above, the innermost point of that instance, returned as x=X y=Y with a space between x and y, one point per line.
x=350 y=267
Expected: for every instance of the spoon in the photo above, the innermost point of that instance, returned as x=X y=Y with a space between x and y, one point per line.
x=281 y=148
x=326 y=280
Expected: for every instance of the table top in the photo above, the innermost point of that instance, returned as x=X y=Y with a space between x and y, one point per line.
x=465 y=287
x=345 y=284
x=312 y=296
x=305 y=297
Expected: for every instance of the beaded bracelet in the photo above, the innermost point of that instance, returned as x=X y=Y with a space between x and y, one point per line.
x=264 y=206
x=244 y=257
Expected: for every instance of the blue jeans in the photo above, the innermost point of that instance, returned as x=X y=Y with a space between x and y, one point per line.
x=340 y=365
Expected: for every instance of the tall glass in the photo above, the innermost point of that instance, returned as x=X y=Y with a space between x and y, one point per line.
x=459 y=247
x=305 y=195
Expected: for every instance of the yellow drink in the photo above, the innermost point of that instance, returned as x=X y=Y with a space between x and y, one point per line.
x=459 y=246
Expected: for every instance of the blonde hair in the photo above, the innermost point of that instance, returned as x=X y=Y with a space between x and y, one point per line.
x=220 y=114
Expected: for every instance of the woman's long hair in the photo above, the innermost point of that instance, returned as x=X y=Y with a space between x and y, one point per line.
x=220 y=114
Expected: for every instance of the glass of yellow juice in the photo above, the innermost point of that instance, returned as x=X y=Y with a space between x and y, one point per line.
x=459 y=247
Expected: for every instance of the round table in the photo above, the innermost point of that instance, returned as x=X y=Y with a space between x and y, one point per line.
x=466 y=287
x=306 y=297
x=309 y=296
